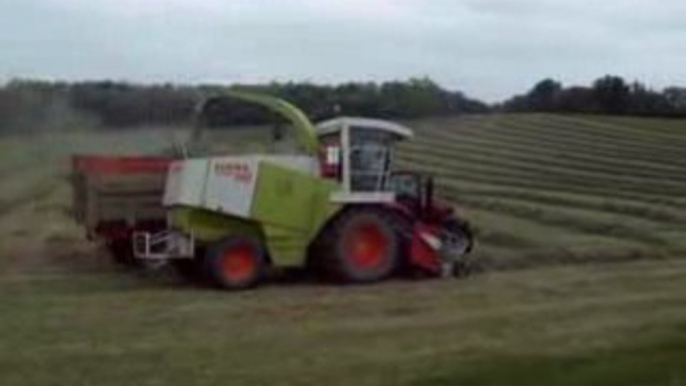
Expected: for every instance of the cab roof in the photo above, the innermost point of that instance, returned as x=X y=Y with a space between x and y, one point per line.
x=337 y=124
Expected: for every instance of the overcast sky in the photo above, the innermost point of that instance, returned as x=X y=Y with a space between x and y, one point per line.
x=487 y=48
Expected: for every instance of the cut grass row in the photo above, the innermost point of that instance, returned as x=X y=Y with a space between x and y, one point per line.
x=520 y=234
x=561 y=168
x=502 y=159
x=515 y=238
x=510 y=240
x=651 y=129
x=578 y=218
x=571 y=219
x=579 y=128
x=551 y=131
x=517 y=128
x=477 y=174
x=465 y=165
x=507 y=134
x=588 y=128
x=620 y=207
x=499 y=131
x=629 y=126
x=558 y=157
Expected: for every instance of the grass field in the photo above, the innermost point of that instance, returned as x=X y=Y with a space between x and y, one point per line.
x=593 y=207
x=545 y=188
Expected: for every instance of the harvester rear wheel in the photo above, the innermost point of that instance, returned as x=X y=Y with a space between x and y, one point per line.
x=362 y=246
x=236 y=263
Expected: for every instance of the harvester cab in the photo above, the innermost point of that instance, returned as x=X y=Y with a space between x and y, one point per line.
x=359 y=154
x=336 y=205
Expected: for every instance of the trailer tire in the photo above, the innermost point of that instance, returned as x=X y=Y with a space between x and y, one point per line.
x=362 y=246
x=122 y=253
x=235 y=263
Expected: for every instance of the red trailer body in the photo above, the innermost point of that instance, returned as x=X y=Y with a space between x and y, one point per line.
x=115 y=196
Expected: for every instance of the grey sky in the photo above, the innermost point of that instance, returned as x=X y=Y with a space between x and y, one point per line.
x=487 y=48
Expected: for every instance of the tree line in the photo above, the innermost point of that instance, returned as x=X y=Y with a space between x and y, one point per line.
x=607 y=95
x=27 y=105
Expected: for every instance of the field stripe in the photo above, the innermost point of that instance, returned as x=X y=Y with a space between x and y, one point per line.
x=533 y=161
x=508 y=148
x=584 y=129
x=508 y=134
x=653 y=213
x=463 y=164
x=567 y=137
x=484 y=142
x=654 y=134
x=505 y=180
x=561 y=218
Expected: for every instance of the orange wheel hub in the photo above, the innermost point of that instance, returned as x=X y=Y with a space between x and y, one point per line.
x=239 y=263
x=367 y=246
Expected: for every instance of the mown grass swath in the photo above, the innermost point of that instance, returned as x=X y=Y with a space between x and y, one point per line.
x=575 y=174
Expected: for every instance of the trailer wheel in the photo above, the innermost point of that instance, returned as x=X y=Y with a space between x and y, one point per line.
x=122 y=253
x=236 y=263
x=363 y=246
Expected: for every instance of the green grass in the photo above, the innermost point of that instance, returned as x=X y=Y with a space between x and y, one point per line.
x=593 y=207
x=608 y=324
x=648 y=362
x=614 y=179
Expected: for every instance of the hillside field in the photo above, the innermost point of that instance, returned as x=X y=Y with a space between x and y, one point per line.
x=545 y=189
x=581 y=224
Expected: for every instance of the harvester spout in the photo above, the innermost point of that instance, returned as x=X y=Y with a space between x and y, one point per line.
x=305 y=134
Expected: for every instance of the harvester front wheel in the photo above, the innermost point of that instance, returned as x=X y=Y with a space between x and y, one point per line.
x=236 y=263
x=363 y=246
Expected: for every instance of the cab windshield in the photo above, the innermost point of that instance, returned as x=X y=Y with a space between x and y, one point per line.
x=370 y=158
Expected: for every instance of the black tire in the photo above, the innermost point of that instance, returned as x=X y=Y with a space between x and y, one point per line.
x=121 y=251
x=235 y=263
x=190 y=270
x=354 y=264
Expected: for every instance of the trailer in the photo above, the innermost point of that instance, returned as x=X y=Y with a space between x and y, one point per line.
x=115 y=197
